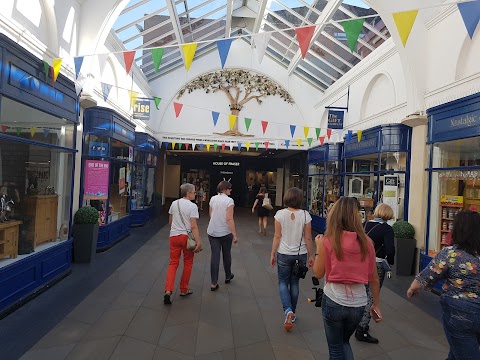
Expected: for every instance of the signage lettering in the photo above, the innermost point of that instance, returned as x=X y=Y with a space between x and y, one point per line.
x=335 y=119
x=468 y=120
x=225 y=163
x=361 y=145
x=141 y=110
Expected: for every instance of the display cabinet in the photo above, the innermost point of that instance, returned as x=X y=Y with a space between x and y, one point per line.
x=42 y=209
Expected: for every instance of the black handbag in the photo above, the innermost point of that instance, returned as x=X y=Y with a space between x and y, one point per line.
x=300 y=268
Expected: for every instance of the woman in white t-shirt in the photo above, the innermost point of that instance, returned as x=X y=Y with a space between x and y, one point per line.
x=183 y=218
x=221 y=232
x=292 y=241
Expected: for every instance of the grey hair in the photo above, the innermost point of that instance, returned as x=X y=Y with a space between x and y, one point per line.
x=186 y=188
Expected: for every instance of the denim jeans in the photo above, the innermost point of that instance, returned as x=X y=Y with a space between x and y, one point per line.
x=218 y=244
x=288 y=283
x=340 y=323
x=461 y=323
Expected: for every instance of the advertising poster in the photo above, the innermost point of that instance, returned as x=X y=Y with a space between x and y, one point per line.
x=141 y=110
x=96 y=180
x=390 y=194
x=121 y=181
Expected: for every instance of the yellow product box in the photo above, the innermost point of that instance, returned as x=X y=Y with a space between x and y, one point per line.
x=451 y=200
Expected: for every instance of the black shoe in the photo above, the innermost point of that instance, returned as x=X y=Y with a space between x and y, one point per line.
x=365 y=337
x=166 y=299
x=214 y=288
x=227 y=281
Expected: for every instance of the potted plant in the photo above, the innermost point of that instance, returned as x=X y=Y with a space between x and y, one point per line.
x=85 y=234
x=405 y=247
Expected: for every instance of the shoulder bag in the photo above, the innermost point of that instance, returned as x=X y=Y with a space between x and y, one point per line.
x=300 y=268
x=267 y=203
x=191 y=243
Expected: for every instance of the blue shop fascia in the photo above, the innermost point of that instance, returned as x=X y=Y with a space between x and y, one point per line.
x=38 y=119
x=374 y=169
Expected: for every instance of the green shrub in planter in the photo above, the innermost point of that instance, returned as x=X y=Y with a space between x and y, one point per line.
x=85 y=234
x=403 y=230
x=405 y=247
x=86 y=215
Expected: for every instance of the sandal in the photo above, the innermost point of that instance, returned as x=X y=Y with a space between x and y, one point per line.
x=215 y=288
x=188 y=292
x=166 y=298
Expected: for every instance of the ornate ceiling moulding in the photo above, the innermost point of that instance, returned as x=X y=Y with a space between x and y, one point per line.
x=240 y=86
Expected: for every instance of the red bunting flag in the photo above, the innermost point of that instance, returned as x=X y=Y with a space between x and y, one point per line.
x=223 y=147
x=128 y=57
x=4 y=128
x=322 y=139
x=266 y=145
x=304 y=36
x=329 y=133
x=187 y=145
x=264 y=126
x=178 y=108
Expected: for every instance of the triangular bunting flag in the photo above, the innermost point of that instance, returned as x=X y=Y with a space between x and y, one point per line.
x=247 y=145
x=105 y=90
x=4 y=128
x=299 y=142
x=317 y=132
x=223 y=47
x=232 y=119
x=264 y=126
x=78 y=65
x=276 y=145
x=248 y=122
x=292 y=130
x=166 y=145
x=223 y=146
x=329 y=133
x=180 y=145
x=208 y=147
x=266 y=144
x=321 y=139
x=306 y=129
x=46 y=132
x=187 y=145
x=46 y=68
x=157 y=55
x=188 y=54
x=78 y=88
x=33 y=130
x=215 y=117
x=359 y=135
x=19 y=130
x=173 y=145
x=133 y=97
x=349 y=135
x=261 y=42
x=404 y=22
x=215 y=147
x=304 y=35
x=287 y=143
x=57 y=64
x=470 y=12
x=178 y=108
x=239 y=145
x=230 y=146
x=157 y=101
x=201 y=147
x=128 y=57
x=309 y=140
x=102 y=61
x=352 y=29
x=256 y=146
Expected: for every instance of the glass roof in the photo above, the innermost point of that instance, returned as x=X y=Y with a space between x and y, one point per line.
x=160 y=23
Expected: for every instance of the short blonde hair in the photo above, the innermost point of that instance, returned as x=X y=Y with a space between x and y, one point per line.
x=383 y=211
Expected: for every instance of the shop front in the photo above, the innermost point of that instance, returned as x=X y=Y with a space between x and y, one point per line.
x=454 y=168
x=107 y=163
x=376 y=169
x=38 y=119
x=324 y=182
x=143 y=206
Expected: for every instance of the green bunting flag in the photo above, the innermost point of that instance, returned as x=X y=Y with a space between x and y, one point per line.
x=180 y=146
x=157 y=101
x=46 y=68
x=309 y=140
x=317 y=131
x=157 y=55
x=215 y=146
x=352 y=29
x=256 y=146
x=19 y=130
x=248 y=122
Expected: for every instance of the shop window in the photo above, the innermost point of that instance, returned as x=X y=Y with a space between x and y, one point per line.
x=150 y=187
x=121 y=151
x=315 y=191
x=120 y=175
x=35 y=198
x=462 y=152
x=138 y=191
x=140 y=157
x=96 y=145
x=364 y=163
x=393 y=161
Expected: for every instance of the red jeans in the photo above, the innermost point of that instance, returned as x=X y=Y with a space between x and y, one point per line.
x=177 y=245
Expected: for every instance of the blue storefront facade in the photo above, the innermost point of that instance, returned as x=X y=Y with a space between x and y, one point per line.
x=38 y=119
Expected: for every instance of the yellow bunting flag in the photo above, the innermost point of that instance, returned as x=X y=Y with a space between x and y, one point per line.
x=208 y=147
x=57 y=64
x=133 y=97
x=188 y=54
x=359 y=135
x=173 y=145
x=232 y=119
x=404 y=22
x=33 y=130
x=247 y=145
x=306 y=129
x=299 y=142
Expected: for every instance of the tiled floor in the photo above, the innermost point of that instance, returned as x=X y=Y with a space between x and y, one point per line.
x=125 y=318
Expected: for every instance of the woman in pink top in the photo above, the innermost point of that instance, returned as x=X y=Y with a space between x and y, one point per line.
x=346 y=257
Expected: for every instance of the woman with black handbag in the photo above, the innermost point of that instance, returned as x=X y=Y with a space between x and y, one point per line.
x=291 y=249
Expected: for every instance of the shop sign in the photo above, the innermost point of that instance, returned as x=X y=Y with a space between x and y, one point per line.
x=141 y=110
x=98 y=149
x=130 y=153
x=452 y=200
x=390 y=194
x=225 y=163
x=121 y=180
x=335 y=119
x=96 y=180
x=370 y=143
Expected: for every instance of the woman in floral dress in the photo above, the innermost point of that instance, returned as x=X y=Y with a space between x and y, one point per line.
x=458 y=266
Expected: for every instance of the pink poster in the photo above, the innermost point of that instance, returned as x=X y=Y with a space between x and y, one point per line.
x=96 y=179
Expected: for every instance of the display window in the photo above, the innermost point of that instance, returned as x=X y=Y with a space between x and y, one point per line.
x=138 y=190
x=150 y=187
x=323 y=186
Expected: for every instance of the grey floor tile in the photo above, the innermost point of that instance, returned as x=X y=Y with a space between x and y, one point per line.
x=248 y=328
x=222 y=355
x=262 y=350
x=142 y=283
x=417 y=353
x=155 y=302
x=146 y=325
x=363 y=350
x=182 y=312
x=129 y=348
x=276 y=332
x=162 y=353
x=286 y=352
x=53 y=353
x=111 y=323
x=316 y=341
x=181 y=338
x=68 y=331
x=128 y=299
x=380 y=357
x=90 y=310
x=100 y=349
x=212 y=339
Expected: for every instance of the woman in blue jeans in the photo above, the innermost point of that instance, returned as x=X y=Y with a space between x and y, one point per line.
x=459 y=266
x=292 y=241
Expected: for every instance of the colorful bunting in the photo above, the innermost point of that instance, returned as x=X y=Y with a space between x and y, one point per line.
x=470 y=12
x=321 y=139
x=33 y=130
x=264 y=126
x=102 y=61
x=208 y=147
x=78 y=87
x=166 y=145
x=105 y=90
x=133 y=97
x=317 y=132
x=201 y=147
x=266 y=145
x=128 y=57
x=329 y=133
x=4 y=128
x=299 y=142
x=57 y=65
x=276 y=145
x=256 y=146
x=223 y=147
x=292 y=130
x=352 y=29
x=223 y=47
x=239 y=145
x=188 y=54
x=287 y=143
x=215 y=116
x=215 y=147
x=248 y=122
x=309 y=140
x=187 y=145
x=232 y=119
x=247 y=145
x=157 y=55
x=19 y=130
x=349 y=135
x=404 y=22
x=178 y=108
x=306 y=129
x=230 y=146
x=359 y=135
x=261 y=42
x=46 y=132
x=304 y=36
x=173 y=145
x=46 y=68
x=78 y=65
x=157 y=101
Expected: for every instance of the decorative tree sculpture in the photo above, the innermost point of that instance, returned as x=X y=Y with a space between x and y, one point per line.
x=234 y=83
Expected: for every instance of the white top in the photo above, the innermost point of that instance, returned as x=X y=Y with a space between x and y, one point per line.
x=354 y=295
x=218 y=226
x=292 y=230
x=189 y=210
